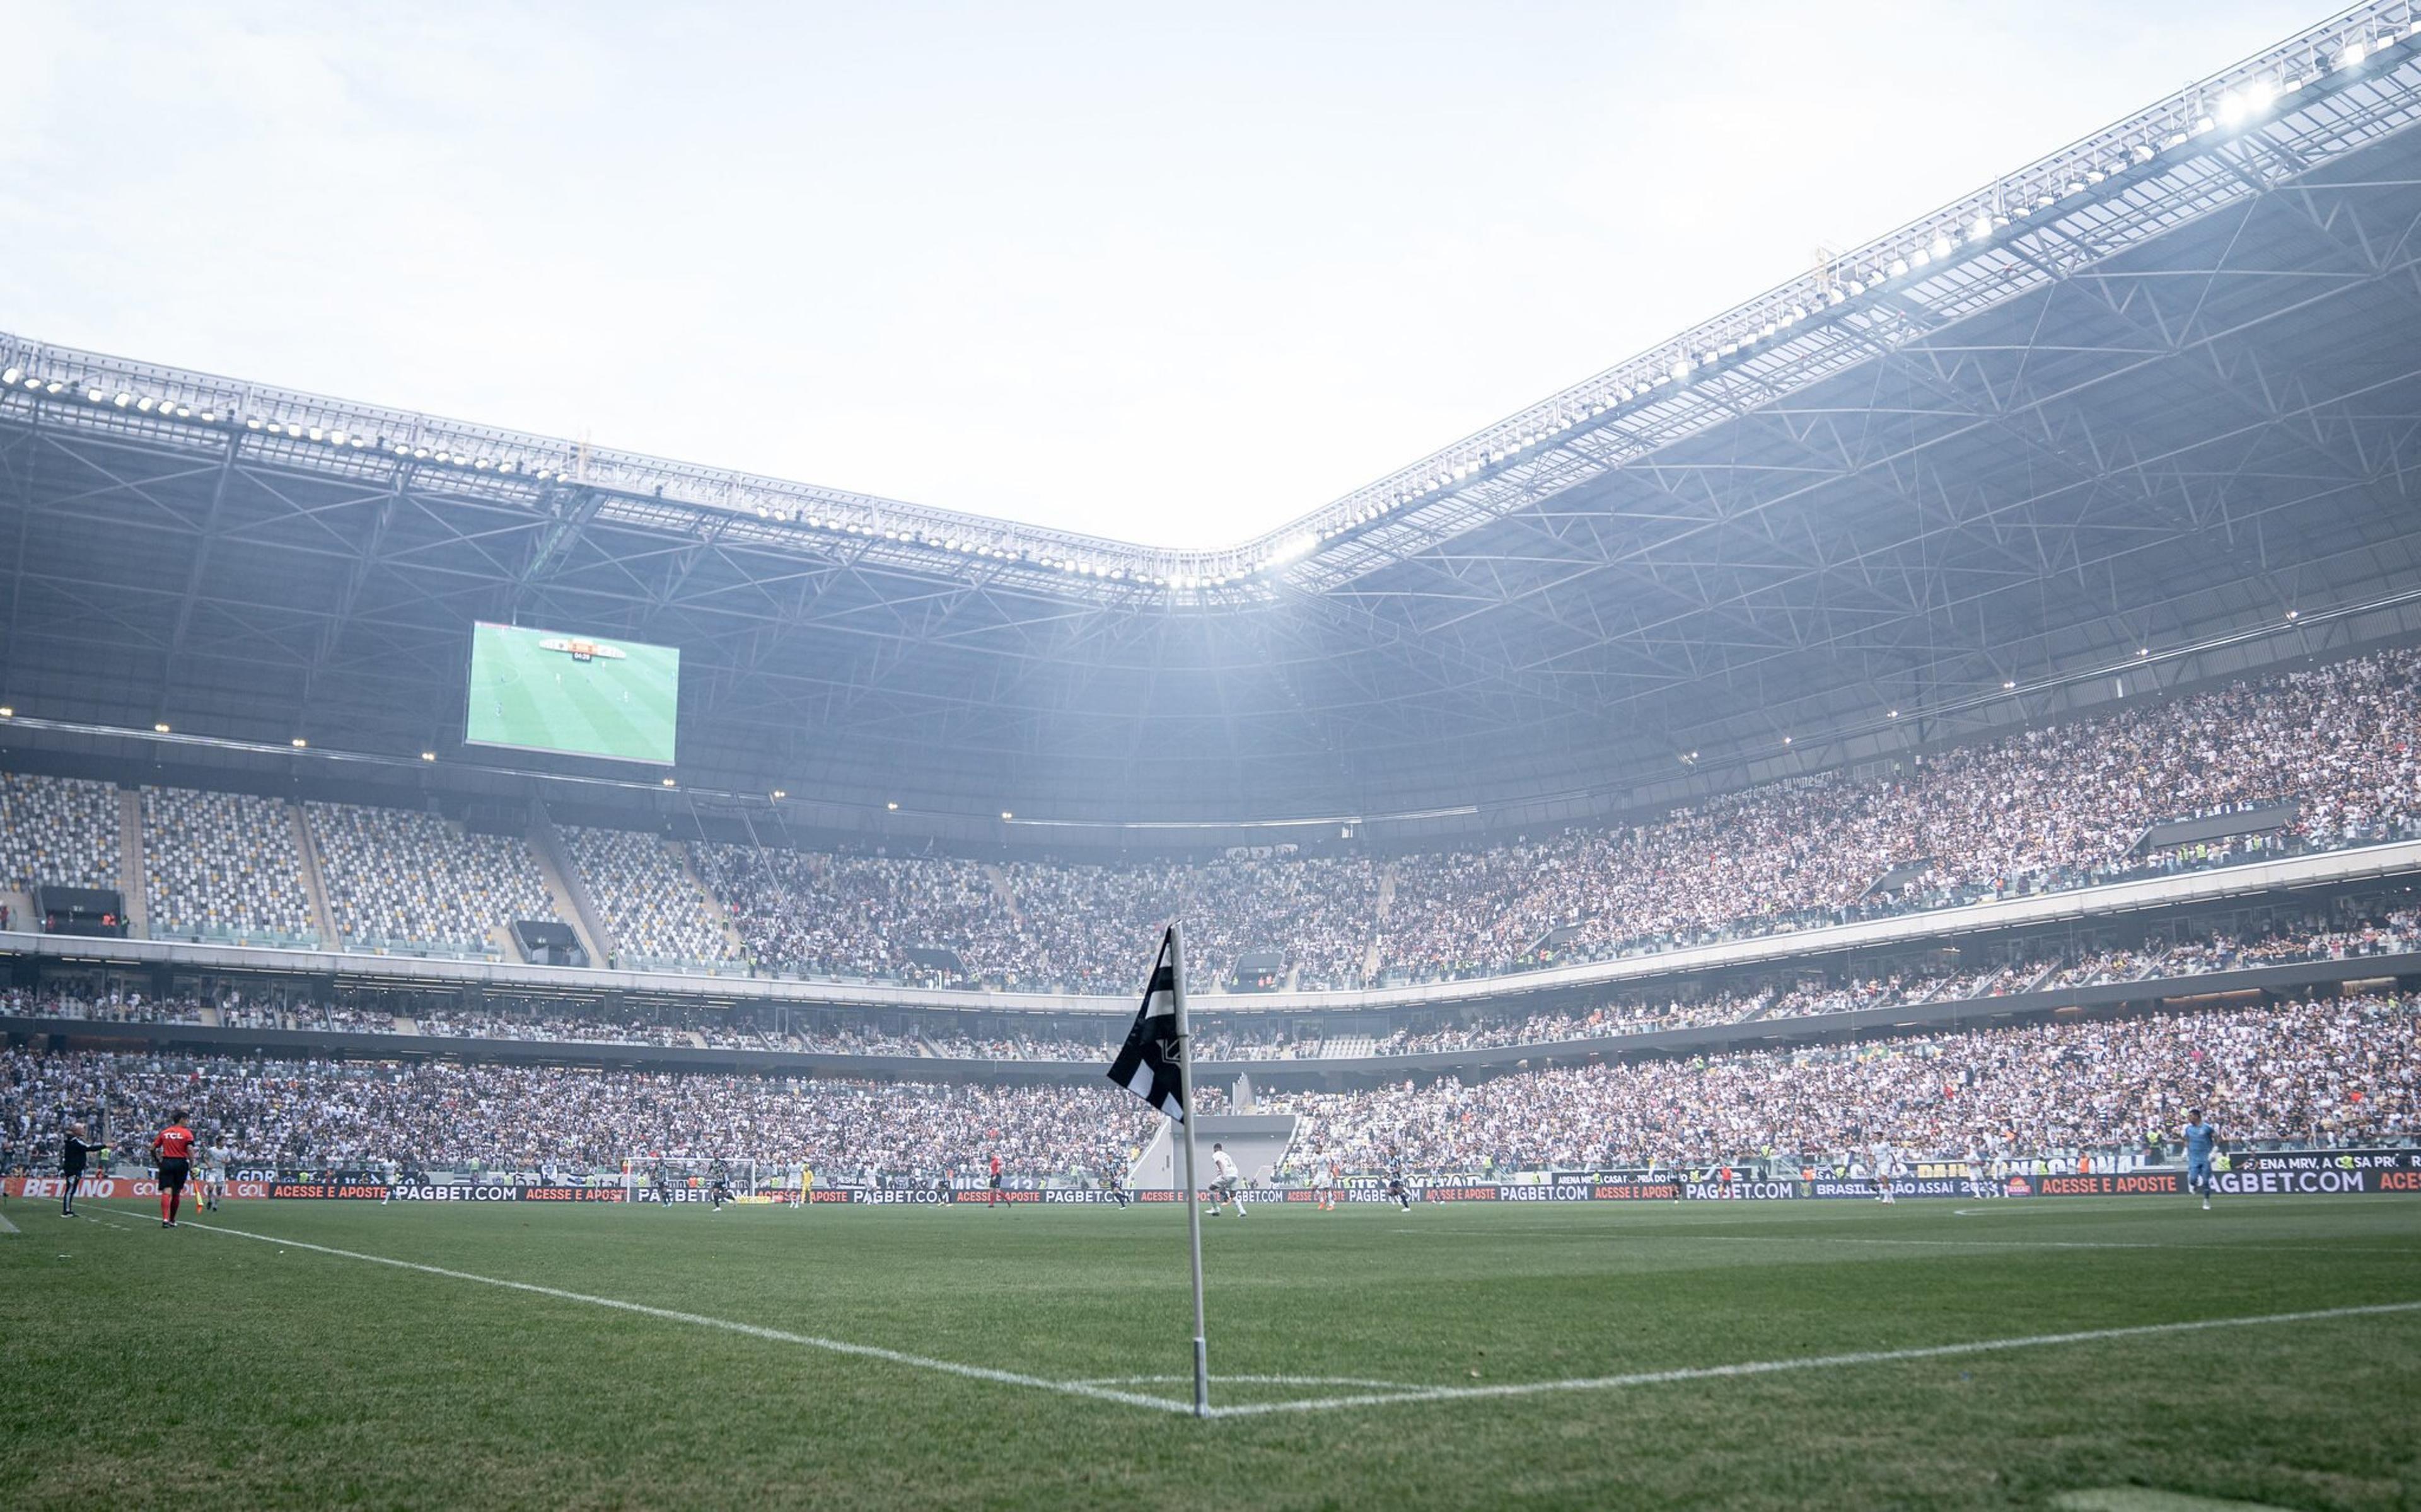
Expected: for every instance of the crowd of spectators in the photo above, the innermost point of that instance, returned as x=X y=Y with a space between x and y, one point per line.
x=400 y=877
x=2160 y=958
x=112 y=1006
x=438 y=1114
x=654 y=911
x=2331 y=1071
x=223 y=866
x=903 y=918
x=2326 y=756
x=57 y=830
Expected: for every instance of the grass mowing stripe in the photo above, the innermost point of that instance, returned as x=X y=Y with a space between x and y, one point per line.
x=1768 y=1367
x=868 y=1351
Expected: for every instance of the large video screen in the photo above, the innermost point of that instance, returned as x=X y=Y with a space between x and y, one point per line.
x=597 y=695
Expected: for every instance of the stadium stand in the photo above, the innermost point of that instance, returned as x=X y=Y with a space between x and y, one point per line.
x=2333 y=1070
x=2172 y=957
x=655 y=912
x=2319 y=1072
x=859 y=916
x=409 y=882
x=59 y=830
x=2052 y=808
x=223 y=867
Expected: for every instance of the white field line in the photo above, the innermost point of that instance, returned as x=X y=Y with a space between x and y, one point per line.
x=868 y=1351
x=5 y=1227
x=1391 y=1394
x=1253 y=1381
x=1823 y=1361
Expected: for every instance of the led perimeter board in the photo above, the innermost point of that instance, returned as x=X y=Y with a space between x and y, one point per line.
x=594 y=695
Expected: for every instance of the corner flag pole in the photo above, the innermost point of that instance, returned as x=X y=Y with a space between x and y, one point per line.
x=1193 y=1190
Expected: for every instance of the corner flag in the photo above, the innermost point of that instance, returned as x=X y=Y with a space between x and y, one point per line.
x=1147 y=1064
x=1157 y=1064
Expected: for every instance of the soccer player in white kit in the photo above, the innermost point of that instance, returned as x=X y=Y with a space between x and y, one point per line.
x=1224 y=1182
x=215 y=1177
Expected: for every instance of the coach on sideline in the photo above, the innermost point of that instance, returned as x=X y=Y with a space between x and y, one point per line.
x=74 y=1149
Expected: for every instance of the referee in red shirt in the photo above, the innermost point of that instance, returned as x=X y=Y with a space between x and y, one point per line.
x=174 y=1146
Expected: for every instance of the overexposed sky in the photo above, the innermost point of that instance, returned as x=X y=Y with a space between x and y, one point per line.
x=1168 y=275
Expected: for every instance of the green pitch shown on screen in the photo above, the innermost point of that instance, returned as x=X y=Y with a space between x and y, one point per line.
x=545 y=689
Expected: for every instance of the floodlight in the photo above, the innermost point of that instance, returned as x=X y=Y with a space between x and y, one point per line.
x=1941 y=247
x=160 y=728
x=1982 y=231
x=892 y=806
x=1007 y=815
x=779 y=792
x=428 y=755
x=11 y=375
x=298 y=742
x=7 y=712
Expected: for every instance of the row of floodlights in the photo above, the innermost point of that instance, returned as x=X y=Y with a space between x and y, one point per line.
x=2235 y=109
x=165 y=409
x=2142 y=653
x=341 y=439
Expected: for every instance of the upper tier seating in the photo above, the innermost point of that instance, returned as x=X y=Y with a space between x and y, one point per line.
x=223 y=867
x=657 y=915
x=58 y=830
x=403 y=880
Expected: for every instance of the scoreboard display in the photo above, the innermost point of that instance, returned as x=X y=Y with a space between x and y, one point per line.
x=573 y=694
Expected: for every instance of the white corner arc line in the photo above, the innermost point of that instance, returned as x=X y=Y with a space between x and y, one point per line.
x=1253 y=1381
x=1767 y=1368
x=5 y=1227
x=868 y=1351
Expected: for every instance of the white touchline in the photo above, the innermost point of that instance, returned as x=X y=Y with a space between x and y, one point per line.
x=950 y=1368
x=1768 y=1367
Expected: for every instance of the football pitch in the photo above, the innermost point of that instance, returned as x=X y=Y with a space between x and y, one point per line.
x=1785 y=1355
x=530 y=693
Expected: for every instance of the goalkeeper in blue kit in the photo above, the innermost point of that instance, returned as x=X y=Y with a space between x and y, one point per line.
x=2202 y=1141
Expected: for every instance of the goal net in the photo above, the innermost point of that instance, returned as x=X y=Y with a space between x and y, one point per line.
x=691 y=1178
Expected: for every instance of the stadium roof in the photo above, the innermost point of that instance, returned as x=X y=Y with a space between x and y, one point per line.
x=2142 y=410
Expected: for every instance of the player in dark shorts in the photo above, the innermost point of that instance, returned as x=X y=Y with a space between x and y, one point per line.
x=174 y=1148
x=1115 y=1187
x=1401 y=1193
x=718 y=1185
x=661 y=1182
x=75 y=1150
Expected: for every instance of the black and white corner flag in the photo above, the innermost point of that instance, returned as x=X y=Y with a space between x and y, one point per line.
x=1147 y=1065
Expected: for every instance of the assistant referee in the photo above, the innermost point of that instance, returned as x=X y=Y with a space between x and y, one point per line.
x=174 y=1146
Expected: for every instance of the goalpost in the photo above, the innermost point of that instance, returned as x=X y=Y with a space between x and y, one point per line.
x=687 y=1177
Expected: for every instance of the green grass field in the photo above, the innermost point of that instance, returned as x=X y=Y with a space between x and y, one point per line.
x=531 y=698
x=145 y=1367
